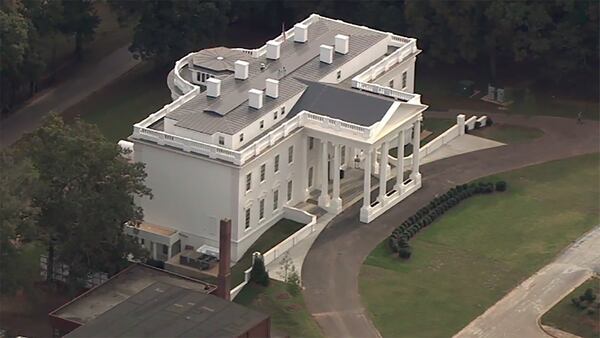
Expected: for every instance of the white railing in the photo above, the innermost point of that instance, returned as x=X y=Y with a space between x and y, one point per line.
x=179 y=81
x=284 y=246
x=362 y=81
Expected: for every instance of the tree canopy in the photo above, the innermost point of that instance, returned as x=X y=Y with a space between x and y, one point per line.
x=85 y=194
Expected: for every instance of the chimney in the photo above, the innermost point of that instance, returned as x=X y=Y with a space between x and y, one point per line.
x=223 y=279
x=213 y=87
x=300 y=32
x=255 y=98
x=272 y=88
x=241 y=69
x=341 y=44
x=326 y=54
x=273 y=49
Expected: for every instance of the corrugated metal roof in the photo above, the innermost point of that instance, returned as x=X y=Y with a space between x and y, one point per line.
x=230 y=112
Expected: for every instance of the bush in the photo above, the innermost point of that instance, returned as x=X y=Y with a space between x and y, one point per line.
x=405 y=253
x=477 y=124
x=393 y=244
x=500 y=186
x=259 y=274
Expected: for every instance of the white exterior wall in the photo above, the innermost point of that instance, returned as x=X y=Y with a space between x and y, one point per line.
x=395 y=73
x=191 y=194
x=273 y=181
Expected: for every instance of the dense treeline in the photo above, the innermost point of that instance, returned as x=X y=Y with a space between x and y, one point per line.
x=558 y=38
x=23 y=25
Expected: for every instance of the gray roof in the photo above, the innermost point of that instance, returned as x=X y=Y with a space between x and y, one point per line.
x=230 y=112
x=346 y=104
x=218 y=59
x=164 y=310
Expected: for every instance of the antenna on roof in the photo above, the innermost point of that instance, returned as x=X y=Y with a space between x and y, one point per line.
x=283 y=30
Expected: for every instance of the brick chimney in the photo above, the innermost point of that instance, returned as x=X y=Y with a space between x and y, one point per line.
x=223 y=279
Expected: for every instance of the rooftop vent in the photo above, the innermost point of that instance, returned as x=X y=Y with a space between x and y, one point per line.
x=213 y=87
x=341 y=44
x=326 y=55
x=272 y=88
x=300 y=32
x=241 y=69
x=255 y=98
x=273 y=49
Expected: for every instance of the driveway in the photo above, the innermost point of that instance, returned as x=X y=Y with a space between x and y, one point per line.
x=66 y=94
x=517 y=314
x=330 y=270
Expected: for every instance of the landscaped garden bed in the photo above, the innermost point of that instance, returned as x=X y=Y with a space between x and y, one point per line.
x=579 y=312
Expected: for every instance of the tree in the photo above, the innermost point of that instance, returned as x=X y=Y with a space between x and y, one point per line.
x=14 y=33
x=259 y=273
x=169 y=29
x=79 y=20
x=86 y=194
x=17 y=218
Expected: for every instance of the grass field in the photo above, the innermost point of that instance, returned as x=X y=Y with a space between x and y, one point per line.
x=289 y=316
x=469 y=259
x=567 y=317
x=124 y=102
x=506 y=133
x=277 y=233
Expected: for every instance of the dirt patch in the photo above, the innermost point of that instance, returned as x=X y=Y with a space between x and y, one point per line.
x=283 y=295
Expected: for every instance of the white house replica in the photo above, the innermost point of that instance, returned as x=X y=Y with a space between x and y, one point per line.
x=254 y=135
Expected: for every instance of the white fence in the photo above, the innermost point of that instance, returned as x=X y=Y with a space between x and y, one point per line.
x=278 y=250
x=60 y=272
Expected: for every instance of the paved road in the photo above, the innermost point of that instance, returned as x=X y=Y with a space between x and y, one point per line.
x=330 y=271
x=65 y=95
x=516 y=314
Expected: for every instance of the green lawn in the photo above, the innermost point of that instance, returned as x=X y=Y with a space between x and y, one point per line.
x=506 y=133
x=289 y=316
x=124 y=102
x=277 y=233
x=469 y=259
x=567 y=317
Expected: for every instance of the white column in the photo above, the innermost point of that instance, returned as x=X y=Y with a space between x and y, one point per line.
x=336 y=201
x=374 y=160
x=416 y=147
x=303 y=179
x=367 y=181
x=383 y=162
x=324 y=197
x=400 y=164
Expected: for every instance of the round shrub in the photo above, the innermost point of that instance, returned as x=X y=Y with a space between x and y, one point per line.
x=477 y=124
x=393 y=244
x=405 y=253
x=501 y=186
x=489 y=122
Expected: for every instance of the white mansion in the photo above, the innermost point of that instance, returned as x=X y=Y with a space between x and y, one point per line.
x=251 y=135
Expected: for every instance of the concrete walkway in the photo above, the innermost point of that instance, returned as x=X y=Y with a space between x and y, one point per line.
x=461 y=145
x=330 y=270
x=518 y=313
x=66 y=94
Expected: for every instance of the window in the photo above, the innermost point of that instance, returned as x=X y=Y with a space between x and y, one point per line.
x=263 y=169
x=276 y=164
x=275 y=200
x=221 y=140
x=291 y=154
x=404 y=79
x=391 y=85
x=310 y=176
x=289 y=191
x=242 y=137
x=262 y=124
x=247 y=219
x=165 y=249
x=248 y=181
x=261 y=209
x=311 y=143
x=275 y=115
x=339 y=74
x=282 y=110
x=142 y=241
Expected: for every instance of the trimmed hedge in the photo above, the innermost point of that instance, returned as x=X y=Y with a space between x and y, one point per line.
x=398 y=240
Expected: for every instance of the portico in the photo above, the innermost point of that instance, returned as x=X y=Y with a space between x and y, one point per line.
x=374 y=160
